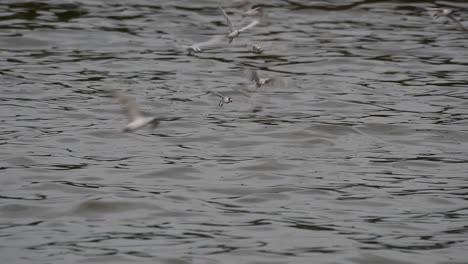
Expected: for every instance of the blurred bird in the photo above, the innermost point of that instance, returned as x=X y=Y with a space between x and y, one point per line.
x=223 y=99
x=252 y=76
x=257 y=49
x=445 y=12
x=257 y=11
x=135 y=117
x=211 y=43
x=248 y=8
x=234 y=32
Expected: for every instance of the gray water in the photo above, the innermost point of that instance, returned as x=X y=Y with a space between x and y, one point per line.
x=361 y=159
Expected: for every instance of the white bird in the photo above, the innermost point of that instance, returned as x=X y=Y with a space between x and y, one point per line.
x=223 y=99
x=211 y=43
x=445 y=12
x=252 y=76
x=248 y=8
x=259 y=49
x=257 y=11
x=254 y=48
x=234 y=32
x=136 y=120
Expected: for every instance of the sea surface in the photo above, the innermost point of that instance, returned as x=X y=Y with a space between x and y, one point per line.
x=362 y=158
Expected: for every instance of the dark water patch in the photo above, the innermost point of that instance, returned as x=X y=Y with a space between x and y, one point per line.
x=7 y=226
x=102 y=207
x=17 y=210
x=173 y=173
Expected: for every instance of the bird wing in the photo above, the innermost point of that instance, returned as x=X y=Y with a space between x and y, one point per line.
x=251 y=24
x=217 y=94
x=228 y=20
x=456 y=21
x=209 y=43
x=254 y=12
x=275 y=83
x=129 y=105
x=434 y=12
x=252 y=75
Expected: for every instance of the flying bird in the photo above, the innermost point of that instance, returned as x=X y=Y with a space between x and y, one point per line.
x=136 y=120
x=252 y=76
x=254 y=48
x=445 y=12
x=233 y=31
x=211 y=43
x=223 y=99
x=257 y=11
x=248 y=8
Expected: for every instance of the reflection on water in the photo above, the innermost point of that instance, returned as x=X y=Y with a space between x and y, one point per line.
x=361 y=159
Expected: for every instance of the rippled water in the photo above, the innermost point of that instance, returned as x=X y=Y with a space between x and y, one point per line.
x=361 y=159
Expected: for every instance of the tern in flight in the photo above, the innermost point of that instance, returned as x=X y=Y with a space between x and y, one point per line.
x=257 y=11
x=211 y=43
x=222 y=99
x=233 y=31
x=254 y=48
x=445 y=12
x=136 y=120
x=252 y=75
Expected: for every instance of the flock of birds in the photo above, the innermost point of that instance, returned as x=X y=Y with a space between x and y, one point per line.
x=137 y=120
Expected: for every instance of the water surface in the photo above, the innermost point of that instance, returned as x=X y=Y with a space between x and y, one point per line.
x=361 y=159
